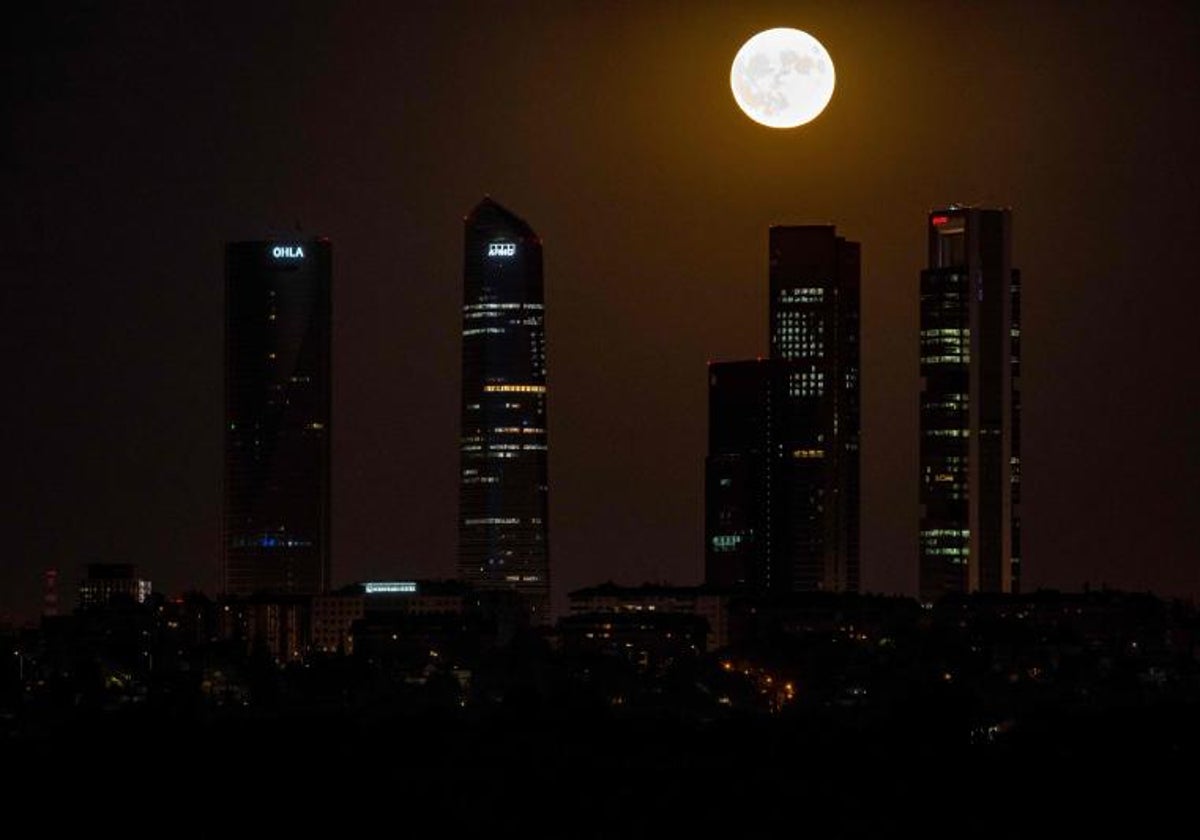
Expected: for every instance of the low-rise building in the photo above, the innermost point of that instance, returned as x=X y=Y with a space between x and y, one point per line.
x=709 y=603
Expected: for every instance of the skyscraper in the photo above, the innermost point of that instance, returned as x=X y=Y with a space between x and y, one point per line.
x=782 y=475
x=106 y=580
x=277 y=416
x=970 y=451
x=749 y=475
x=503 y=492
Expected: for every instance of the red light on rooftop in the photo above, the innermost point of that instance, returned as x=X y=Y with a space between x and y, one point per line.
x=938 y=221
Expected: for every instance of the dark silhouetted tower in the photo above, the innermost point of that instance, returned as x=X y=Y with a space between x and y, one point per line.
x=277 y=416
x=750 y=424
x=782 y=474
x=970 y=451
x=503 y=496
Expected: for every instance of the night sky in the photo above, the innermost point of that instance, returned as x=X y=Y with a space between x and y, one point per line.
x=137 y=138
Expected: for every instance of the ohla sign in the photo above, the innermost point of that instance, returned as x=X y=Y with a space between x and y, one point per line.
x=287 y=252
x=502 y=249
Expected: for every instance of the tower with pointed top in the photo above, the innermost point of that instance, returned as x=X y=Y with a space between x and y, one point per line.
x=503 y=483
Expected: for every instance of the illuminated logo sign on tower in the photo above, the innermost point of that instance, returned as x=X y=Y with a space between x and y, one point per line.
x=502 y=249
x=288 y=252
x=390 y=587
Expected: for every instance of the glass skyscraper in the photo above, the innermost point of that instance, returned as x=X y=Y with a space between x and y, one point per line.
x=747 y=477
x=503 y=493
x=276 y=517
x=782 y=474
x=970 y=406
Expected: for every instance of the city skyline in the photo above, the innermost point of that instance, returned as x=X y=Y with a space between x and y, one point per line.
x=142 y=142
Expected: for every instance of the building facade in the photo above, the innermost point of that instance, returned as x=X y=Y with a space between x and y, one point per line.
x=650 y=641
x=782 y=474
x=276 y=518
x=503 y=538
x=970 y=406
x=334 y=614
x=105 y=580
x=709 y=603
x=744 y=475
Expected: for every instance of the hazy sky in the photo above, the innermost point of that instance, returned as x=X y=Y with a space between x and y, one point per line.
x=138 y=138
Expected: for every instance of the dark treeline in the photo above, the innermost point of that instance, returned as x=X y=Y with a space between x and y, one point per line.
x=848 y=715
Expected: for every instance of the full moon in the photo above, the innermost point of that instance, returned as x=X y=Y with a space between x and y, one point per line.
x=782 y=78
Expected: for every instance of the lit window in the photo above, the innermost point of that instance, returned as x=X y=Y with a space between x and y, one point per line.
x=518 y=389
